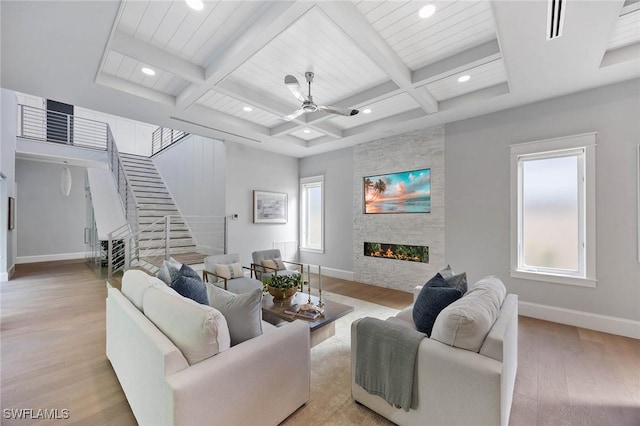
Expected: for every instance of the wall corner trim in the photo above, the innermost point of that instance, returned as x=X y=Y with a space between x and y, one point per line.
x=606 y=324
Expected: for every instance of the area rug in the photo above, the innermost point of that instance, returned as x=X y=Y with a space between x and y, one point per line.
x=331 y=402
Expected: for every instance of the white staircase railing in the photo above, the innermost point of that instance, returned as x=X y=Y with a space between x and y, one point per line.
x=162 y=137
x=122 y=182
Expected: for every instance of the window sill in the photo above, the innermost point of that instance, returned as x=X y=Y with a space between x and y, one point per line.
x=556 y=279
x=312 y=250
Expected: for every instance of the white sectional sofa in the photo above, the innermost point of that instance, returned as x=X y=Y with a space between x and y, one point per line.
x=259 y=381
x=457 y=387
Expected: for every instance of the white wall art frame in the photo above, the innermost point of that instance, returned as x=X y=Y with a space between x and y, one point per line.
x=270 y=207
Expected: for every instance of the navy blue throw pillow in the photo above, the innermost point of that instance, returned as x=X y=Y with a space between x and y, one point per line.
x=189 y=284
x=433 y=298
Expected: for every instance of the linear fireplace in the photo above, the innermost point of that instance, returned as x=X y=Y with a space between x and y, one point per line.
x=397 y=251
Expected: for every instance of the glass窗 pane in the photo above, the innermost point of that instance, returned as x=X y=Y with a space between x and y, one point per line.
x=550 y=222
x=315 y=216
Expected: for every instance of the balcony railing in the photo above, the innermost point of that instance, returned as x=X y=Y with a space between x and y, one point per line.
x=163 y=137
x=54 y=126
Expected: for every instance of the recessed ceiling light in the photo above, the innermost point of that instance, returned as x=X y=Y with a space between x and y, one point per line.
x=427 y=11
x=307 y=131
x=463 y=78
x=195 y=4
x=148 y=71
x=248 y=109
x=366 y=111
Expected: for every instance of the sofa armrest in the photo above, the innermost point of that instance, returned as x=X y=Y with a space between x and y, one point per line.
x=235 y=386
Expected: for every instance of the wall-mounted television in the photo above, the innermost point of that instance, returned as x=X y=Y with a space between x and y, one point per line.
x=401 y=192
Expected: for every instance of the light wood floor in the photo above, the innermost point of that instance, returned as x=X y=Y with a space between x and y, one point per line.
x=53 y=356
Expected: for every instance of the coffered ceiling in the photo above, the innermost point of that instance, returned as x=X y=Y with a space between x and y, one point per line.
x=220 y=71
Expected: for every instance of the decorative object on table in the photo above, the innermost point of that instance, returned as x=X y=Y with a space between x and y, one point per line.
x=283 y=287
x=320 y=287
x=306 y=311
x=402 y=192
x=269 y=207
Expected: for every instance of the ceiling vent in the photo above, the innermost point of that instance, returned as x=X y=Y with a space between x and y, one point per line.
x=555 y=18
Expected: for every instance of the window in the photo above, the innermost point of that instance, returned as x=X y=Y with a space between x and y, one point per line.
x=553 y=213
x=312 y=214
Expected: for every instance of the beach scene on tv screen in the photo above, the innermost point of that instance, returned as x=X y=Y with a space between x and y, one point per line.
x=402 y=192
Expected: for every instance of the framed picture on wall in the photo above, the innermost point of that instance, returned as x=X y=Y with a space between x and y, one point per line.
x=269 y=207
x=12 y=213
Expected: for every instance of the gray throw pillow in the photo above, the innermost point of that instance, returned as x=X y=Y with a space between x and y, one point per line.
x=447 y=272
x=458 y=281
x=243 y=312
x=191 y=287
x=168 y=272
x=433 y=298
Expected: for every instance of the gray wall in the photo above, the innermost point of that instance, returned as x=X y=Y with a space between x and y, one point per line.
x=7 y=168
x=409 y=151
x=49 y=225
x=251 y=169
x=194 y=171
x=337 y=169
x=478 y=195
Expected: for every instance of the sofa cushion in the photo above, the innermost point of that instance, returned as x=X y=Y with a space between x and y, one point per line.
x=433 y=298
x=243 y=312
x=134 y=285
x=168 y=272
x=466 y=322
x=199 y=331
x=189 y=284
x=230 y=271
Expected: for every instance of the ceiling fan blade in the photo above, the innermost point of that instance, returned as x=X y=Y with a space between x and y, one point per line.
x=291 y=116
x=338 y=110
x=292 y=83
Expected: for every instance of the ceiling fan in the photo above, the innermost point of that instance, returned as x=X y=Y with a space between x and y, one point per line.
x=307 y=102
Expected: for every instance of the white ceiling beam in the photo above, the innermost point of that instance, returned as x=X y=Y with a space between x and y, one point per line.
x=134 y=89
x=274 y=18
x=468 y=59
x=156 y=57
x=474 y=97
x=622 y=54
x=385 y=123
x=347 y=16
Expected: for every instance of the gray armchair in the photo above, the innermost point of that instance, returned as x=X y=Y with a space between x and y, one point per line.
x=234 y=285
x=263 y=273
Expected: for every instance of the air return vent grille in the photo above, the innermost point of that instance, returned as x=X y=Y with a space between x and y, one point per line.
x=555 y=18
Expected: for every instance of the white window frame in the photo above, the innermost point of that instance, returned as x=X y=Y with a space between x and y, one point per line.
x=585 y=145
x=304 y=184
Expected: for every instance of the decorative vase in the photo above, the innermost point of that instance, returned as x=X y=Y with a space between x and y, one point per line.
x=282 y=294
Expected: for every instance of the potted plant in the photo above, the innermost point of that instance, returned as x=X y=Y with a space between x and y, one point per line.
x=283 y=287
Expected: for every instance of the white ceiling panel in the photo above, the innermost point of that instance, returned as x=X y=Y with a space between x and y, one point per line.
x=380 y=109
x=229 y=105
x=482 y=76
x=626 y=31
x=456 y=26
x=312 y=43
x=307 y=134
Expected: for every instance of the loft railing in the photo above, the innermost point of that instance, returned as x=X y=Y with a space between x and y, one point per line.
x=54 y=126
x=163 y=137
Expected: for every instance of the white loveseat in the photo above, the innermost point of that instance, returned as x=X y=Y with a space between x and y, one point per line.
x=259 y=381
x=456 y=387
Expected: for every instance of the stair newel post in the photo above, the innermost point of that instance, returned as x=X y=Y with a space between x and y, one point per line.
x=110 y=256
x=167 y=236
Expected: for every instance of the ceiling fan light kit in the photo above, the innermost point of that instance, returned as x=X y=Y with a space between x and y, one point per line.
x=307 y=101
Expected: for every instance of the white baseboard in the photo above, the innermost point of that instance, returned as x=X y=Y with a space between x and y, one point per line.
x=50 y=257
x=5 y=276
x=603 y=323
x=337 y=273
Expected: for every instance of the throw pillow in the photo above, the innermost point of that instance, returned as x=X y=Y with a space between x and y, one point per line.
x=280 y=266
x=433 y=298
x=465 y=323
x=458 y=281
x=191 y=287
x=188 y=271
x=198 y=331
x=243 y=312
x=447 y=272
x=268 y=263
x=168 y=272
x=233 y=270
